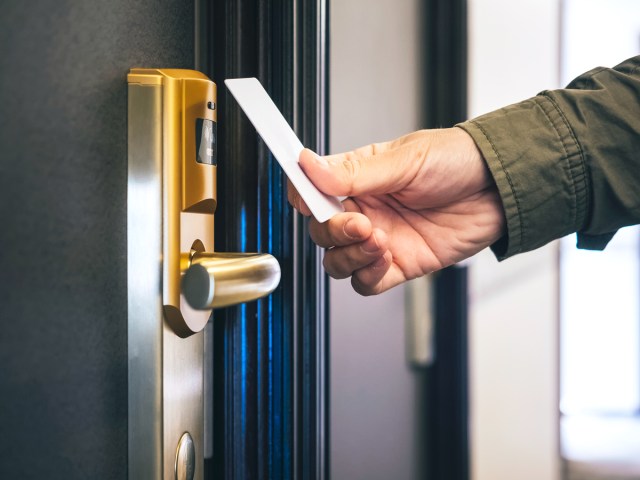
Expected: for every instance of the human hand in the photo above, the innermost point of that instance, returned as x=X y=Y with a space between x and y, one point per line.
x=416 y=204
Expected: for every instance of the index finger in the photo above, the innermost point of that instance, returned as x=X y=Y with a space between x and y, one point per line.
x=340 y=230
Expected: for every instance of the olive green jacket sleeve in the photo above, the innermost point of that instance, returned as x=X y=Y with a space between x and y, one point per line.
x=567 y=160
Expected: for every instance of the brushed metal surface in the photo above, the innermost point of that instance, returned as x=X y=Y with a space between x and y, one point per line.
x=144 y=280
x=183 y=385
x=165 y=371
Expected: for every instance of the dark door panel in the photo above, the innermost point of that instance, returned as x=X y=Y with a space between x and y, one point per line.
x=63 y=180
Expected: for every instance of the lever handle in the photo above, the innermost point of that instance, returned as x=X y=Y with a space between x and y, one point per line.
x=216 y=280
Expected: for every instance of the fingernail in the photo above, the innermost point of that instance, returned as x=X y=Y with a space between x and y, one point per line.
x=368 y=248
x=350 y=229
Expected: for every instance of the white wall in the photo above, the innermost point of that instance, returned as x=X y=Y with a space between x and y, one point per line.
x=599 y=315
x=374 y=88
x=513 y=329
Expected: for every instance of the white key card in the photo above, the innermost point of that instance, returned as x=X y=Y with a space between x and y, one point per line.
x=283 y=143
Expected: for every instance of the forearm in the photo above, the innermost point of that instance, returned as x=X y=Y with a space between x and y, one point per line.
x=567 y=160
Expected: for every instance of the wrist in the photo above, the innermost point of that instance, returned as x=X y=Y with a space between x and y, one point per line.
x=476 y=164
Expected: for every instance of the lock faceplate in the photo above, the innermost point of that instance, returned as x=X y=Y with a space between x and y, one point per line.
x=189 y=185
x=170 y=207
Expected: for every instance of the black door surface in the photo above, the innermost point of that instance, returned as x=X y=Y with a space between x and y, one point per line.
x=63 y=214
x=63 y=183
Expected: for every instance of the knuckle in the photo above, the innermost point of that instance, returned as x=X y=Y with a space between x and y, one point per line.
x=335 y=233
x=377 y=148
x=351 y=168
x=318 y=233
x=334 y=267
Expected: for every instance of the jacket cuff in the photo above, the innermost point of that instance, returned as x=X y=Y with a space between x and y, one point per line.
x=594 y=242
x=539 y=169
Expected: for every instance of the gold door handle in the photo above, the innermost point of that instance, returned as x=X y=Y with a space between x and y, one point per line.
x=216 y=280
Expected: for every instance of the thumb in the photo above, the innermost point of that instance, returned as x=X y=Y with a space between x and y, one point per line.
x=374 y=169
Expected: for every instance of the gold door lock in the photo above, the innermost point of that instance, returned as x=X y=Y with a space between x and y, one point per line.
x=189 y=157
x=175 y=278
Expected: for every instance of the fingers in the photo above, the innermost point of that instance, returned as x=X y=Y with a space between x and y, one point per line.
x=368 y=263
x=342 y=229
x=342 y=262
x=354 y=250
x=374 y=169
x=374 y=278
x=296 y=200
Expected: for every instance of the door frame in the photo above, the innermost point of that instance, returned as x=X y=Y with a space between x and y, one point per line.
x=270 y=369
x=446 y=418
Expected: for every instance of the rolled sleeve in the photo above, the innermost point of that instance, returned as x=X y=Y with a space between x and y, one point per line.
x=538 y=167
x=567 y=160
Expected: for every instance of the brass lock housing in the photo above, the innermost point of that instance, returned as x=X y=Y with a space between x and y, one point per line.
x=189 y=196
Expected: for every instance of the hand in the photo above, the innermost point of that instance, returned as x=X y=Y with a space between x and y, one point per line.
x=416 y=204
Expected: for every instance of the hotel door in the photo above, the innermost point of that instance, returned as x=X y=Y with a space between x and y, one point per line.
x=65 y=400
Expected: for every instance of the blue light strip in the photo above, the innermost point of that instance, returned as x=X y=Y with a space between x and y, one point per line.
x=243 y=229
x=243 y=336
x=243 y=366
x=272 y=407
